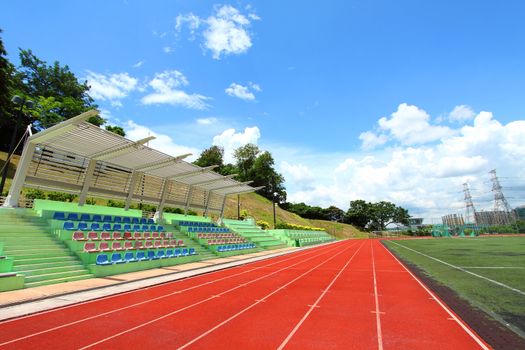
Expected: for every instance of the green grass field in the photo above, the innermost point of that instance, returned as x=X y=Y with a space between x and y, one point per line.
x=500 y=259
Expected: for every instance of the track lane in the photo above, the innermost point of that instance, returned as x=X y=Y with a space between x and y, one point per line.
x=201 y=319
x=170 y=297
x=413 y=318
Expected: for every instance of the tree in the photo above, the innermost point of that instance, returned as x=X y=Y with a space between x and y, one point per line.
x=56 y=91
x=262 y=173
x=359 y=214
x=375 y=216
x=245 y=157
x=211 y=156
x=116 y=129
x=6 y=86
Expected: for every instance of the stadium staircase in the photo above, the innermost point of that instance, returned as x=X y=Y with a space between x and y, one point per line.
x=36 y=254
x=254 y=233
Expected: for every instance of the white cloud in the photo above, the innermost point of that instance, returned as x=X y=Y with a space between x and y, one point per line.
x=410 y=125
x=461 y=113
x=167 y=49
x=162 y=142
x=370 y=140
x=166 y=87
x=138 y=64
x=243 y=92
x=299 y=174
x=425 y=178
x=230 y=140
x=206 y=121
x=111 y=87
x=225 y=32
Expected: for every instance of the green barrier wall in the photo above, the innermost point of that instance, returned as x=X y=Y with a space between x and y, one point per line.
x=43 y=205
x=169 y=217
x=11 y=283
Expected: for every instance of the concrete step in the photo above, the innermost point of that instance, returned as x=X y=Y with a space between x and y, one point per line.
x=36 y=260
x=38 y=270
x=56 y=275
x=27 y=267
x=58 y=280
x=30 y=250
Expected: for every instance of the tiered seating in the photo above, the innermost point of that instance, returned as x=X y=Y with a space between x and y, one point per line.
x=220 y=239
x=299 y=238
x=130 y=256
x=101 y=218
x=255 y=234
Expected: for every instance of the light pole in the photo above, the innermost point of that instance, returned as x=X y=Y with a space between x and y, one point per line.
x=238 y=207
x=18 y=101
x=274 y=204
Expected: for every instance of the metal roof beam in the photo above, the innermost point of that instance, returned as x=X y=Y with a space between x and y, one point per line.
x=252 y=189
x=193 y=172
x=62 y=128
x=205 y=182
x=162 y=163
x=120 y=150
x=228 y=186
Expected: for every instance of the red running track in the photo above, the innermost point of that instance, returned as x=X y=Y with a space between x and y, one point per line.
x=347 y=295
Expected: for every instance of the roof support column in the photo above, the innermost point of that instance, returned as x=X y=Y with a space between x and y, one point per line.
x=87 y=181
x=223 y=205
x=162 y=201
x=207 y=203
x=188 y=199
x=134 y=176
x=20 y=175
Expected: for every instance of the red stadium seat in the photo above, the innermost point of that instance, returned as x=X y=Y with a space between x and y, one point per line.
x=78 y=236
x=90 y=247
x=92 y=235
x=105 y=236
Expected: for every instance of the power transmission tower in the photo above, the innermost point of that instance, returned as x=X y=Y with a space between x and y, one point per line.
x=470 y=210
x=503 y=214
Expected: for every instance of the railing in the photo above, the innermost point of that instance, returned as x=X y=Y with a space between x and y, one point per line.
x=22 y=203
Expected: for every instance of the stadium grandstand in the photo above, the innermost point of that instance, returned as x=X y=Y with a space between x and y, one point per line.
x=55 y=242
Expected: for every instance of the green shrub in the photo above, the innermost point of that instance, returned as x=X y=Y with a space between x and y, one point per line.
x=91 y=201
x=116 y=204
x=61 y=197
x=35 y=194
x=263 y=224
x=287 y=226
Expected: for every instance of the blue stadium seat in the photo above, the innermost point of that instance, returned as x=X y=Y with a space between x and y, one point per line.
x=117 y=219
x=136 y=228
x=95 y=226
x=135 y=221
x=176 y=252
x=127 y=227
x=97 y=218
x=126 y=220
x=143 y=221
x=145 y=228
x=82 y=226
x=151 y=255
x=85 y=217
x=68 y=225
x=150 y=221
x=107 y=218
x=72 y=217
x=161 y=254
x=106 y=227
x=116 y=258
x=102 y=259
x=152 y=228
x=59 y=215
x=191 y=251
x=117 y=227
x=128 y=257
x=160 y=228
x=141 y=256
x=184 y=252
x=169 y=253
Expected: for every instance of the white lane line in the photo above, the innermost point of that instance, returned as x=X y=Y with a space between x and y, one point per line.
x=315 y=304
x=377 y=312
x=256 y=303
x=448 y=311
x=492 y=267
x=139 y=303
x=197 y=303
x=462 y=269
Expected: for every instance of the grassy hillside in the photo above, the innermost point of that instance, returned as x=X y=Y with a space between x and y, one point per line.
x=257 y=206
x=261 y=209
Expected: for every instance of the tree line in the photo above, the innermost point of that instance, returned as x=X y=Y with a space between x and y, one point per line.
x=56 y=93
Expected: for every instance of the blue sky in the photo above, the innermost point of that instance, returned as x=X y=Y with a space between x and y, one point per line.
x=379 y=100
